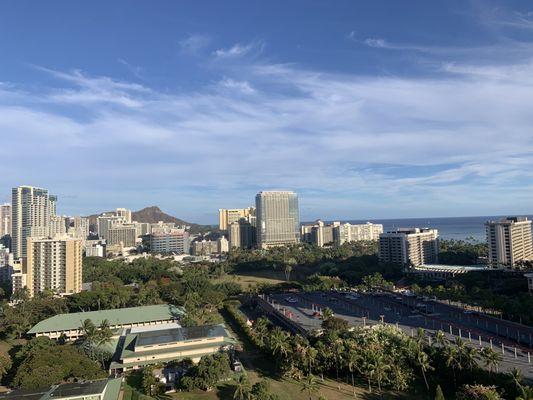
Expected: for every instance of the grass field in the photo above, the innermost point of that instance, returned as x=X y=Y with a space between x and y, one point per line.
x=247 y=280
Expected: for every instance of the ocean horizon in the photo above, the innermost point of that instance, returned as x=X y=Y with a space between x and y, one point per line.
x=458 y=228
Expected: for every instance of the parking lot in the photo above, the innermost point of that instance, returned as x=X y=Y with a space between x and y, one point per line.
x=410 y=313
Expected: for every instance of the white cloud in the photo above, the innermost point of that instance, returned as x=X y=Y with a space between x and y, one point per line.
x=467 y=132
x=239 y=50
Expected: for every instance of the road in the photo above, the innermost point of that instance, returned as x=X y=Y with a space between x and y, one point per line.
x=407 y=313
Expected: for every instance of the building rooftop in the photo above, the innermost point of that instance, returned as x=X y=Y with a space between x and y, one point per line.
x=69 y=390
x=120 y=316
x=179 y=334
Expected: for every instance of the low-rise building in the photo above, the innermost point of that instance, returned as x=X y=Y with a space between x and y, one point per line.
x=104 y=389
x=95 y=248
x=70 y=325
x=168 y=241
x=346 y=233
x=204 y=247
x=160 y=346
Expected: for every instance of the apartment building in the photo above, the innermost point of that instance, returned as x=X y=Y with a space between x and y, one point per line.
x=168 y=241
x=346 y=233
x=409 y=246
x=31 y=210
x=53 y=264
x=509 y=241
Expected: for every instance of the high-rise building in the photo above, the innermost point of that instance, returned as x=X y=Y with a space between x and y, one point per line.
x=124 y=213
x=79 y=227
x=31 y=209
x=106 y=221
x=241 y=234
x=343 y=233
x=509 y=241
x=204 y=247
x=5 y=219
x=278 y=219
x=409 y=246
x=57 y=226
x=121 y=234
x=228 y=216
x=53 y=264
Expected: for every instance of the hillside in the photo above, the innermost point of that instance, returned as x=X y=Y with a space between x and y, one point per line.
x=154 y=214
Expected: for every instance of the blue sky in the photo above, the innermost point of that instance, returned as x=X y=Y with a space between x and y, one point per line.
x=373 y=109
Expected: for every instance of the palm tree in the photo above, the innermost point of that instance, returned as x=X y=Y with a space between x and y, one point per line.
x=469 y=357
x=492 y=359
x=261 y=328
x=451 y=357
x=422 y=361
x=242 y=388
x=310 y=385
x=380 y=369
x=440 y=338
x=278 y=343
x=526 y=393
x=516 y=377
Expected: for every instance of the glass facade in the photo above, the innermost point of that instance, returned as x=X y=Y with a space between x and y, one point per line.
x=278 y=219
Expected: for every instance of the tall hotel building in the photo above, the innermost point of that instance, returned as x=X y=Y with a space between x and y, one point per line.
x=509 y=241
x=31 y=210
x=226 y=217
x=409 y=246
x=278 y=219
x=53 y=264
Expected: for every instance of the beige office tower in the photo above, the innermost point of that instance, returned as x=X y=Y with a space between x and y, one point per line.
x=278 y=219
x=53 y=264
x=5 y=219
x=409 y=246
x=124 y=213
x=509 y=241
x=228 y=216
x=31 y=209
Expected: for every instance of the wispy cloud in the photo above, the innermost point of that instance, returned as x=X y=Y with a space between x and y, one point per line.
x=195 y=42
x=239 y=50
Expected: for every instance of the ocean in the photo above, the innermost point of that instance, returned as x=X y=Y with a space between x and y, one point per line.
x=449 y=228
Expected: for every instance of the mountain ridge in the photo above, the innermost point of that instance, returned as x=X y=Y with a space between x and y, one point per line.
x=153 y=214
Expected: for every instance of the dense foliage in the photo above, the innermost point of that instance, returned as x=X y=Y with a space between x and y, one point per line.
x=42 y=362
x=207 y=373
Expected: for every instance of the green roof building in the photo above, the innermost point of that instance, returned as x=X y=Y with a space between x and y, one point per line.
x=105 y=389
x=70 y=324
x=164 y=345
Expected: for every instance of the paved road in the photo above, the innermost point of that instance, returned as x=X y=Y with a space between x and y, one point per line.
x=402 y=311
